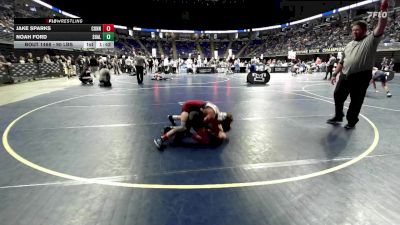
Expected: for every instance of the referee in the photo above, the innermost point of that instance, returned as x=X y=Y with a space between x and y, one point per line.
x=356 y=69
x=140 y=64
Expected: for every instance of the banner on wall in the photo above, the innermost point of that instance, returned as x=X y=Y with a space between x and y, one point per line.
x=339 y=49
x=322 y=50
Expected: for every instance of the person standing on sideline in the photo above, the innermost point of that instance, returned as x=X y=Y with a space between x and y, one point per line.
x=391 y=64
x=150 y=61
x=356 y=69
x=384 y=63
x=331 y=64
x=140 y=64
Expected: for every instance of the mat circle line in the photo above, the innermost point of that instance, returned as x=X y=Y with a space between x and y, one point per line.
x=21 y=159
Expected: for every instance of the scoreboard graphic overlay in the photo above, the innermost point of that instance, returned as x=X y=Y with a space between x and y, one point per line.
x=33 y=33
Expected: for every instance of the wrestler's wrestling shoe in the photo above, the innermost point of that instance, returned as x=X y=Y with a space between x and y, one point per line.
x=159 y=143
x=171 y=119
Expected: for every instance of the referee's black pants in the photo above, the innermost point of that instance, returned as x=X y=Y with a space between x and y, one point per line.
x=139 y=74
x=356 y=85
x=329 y=71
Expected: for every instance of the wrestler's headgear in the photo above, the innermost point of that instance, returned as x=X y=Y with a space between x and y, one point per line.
x=214 y=107
x=225 y=120
x=222 y=116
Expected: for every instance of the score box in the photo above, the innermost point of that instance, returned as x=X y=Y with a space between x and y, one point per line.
x=108 y=36
x=108 y=27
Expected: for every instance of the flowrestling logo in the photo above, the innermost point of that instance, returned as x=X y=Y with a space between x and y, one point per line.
x=377 y=14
